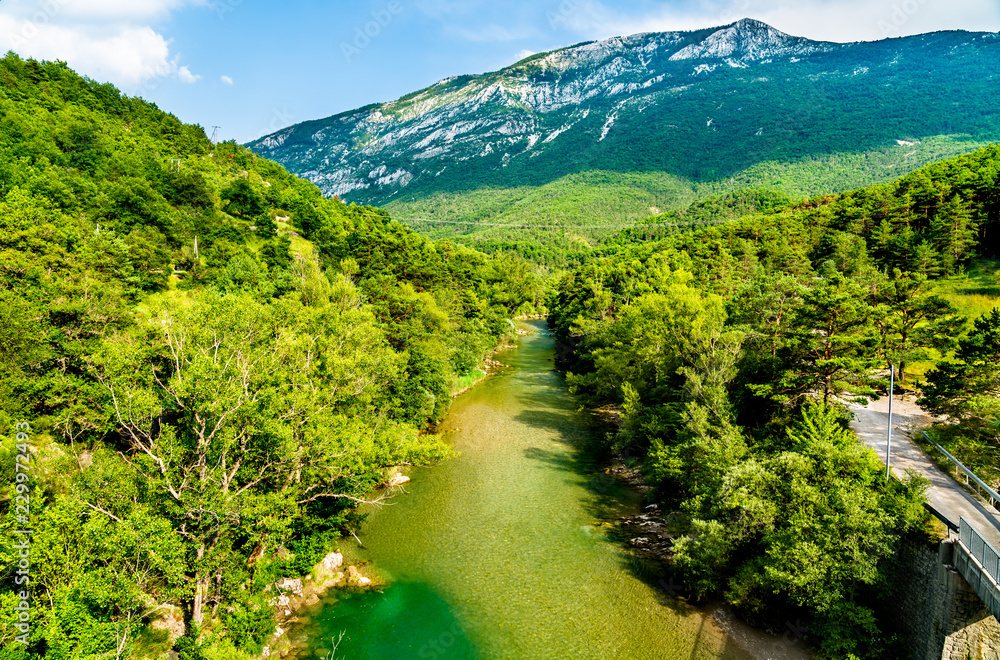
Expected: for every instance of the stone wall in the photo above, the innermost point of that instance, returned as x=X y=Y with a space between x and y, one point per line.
x=938 y=615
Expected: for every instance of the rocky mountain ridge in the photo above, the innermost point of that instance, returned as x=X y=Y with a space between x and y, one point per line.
x=701 y=106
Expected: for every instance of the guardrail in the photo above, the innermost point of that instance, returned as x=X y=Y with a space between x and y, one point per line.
x=981 y=486
x=952 y=527
x=979 y=564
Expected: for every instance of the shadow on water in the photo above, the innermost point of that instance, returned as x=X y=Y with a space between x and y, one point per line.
x=383 y=626
x=564 y=427
x=607 y=497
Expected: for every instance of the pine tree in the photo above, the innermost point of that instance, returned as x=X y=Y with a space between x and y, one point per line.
x=912 y=320
x=968 y=387
x=954 y=230
x=835 y=347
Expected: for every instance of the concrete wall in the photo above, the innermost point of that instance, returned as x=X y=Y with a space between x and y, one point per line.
x=935 y=610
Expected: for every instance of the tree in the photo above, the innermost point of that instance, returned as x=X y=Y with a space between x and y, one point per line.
x=912 y=321
x=235 y=413
x=834 y=347
x=953 y=230
x=967 y=388
x=806 y=527
x=242 y=199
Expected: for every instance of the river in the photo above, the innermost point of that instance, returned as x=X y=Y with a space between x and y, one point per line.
x=499 y=552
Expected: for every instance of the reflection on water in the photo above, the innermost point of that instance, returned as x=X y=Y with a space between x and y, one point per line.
x=496 y=553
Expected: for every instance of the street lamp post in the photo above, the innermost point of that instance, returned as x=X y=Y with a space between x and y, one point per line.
x=888 y=437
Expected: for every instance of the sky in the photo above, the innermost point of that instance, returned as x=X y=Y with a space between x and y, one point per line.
x=252 y=68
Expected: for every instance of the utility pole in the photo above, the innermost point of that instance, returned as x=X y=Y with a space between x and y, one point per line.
x=215 y=135
x=888 y=439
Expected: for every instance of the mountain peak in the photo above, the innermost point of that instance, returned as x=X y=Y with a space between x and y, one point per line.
x=748 y=39
x=748 y=23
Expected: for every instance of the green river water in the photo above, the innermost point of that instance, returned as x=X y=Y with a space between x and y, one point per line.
x=497 y=553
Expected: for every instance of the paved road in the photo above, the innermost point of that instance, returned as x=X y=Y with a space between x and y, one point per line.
x=944 y=493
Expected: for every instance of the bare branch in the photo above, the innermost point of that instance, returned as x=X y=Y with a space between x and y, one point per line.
x=100 y=510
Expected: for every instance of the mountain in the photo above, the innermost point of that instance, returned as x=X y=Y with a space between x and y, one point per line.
x=616 y=130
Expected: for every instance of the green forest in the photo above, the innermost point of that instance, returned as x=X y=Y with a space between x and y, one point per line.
x=218 y=365
x=731 y=351
x=214 y=361
x=550 y=150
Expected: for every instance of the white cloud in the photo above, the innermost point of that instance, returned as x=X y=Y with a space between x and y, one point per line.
x=865 y=20
x=447 y=8
x=227 y=80
x=108 y=40
x=479 y=21
x=185 y=76
x=121 y=10
x=523 y=54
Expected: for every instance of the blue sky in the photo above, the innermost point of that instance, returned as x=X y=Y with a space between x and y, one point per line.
x=252 y=67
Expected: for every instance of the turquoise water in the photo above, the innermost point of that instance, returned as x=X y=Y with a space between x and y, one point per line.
x=498 y=552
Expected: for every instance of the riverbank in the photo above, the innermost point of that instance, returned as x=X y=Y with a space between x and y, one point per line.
x=504 y=540
x=484 y=370
x=650 y=536
x=489 y=365
x=298 y=600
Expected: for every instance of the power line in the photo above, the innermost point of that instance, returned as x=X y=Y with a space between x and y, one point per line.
x=505 y=224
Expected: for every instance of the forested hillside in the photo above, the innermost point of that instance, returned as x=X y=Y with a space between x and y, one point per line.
x=730 y=351
x=216 y=363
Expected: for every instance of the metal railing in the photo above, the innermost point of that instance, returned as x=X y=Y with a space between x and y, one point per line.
x=979 y=564
x=981 y=486
x=980 y=548
x=952 y=527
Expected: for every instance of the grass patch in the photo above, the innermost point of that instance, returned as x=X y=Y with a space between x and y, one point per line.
x=975 y=452
x=974 y=293
x=300 y=246
x=461 y=382
x=576 y=210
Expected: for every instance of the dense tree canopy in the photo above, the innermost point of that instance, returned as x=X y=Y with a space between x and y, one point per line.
x=218 y=363
x=214 y=360
x=731 y=350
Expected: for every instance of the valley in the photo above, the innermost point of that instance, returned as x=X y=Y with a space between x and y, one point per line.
x=613 y=311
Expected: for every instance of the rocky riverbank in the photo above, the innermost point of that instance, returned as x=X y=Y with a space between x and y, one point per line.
x=297 y=599
x=490 y=365
x=651 y=535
